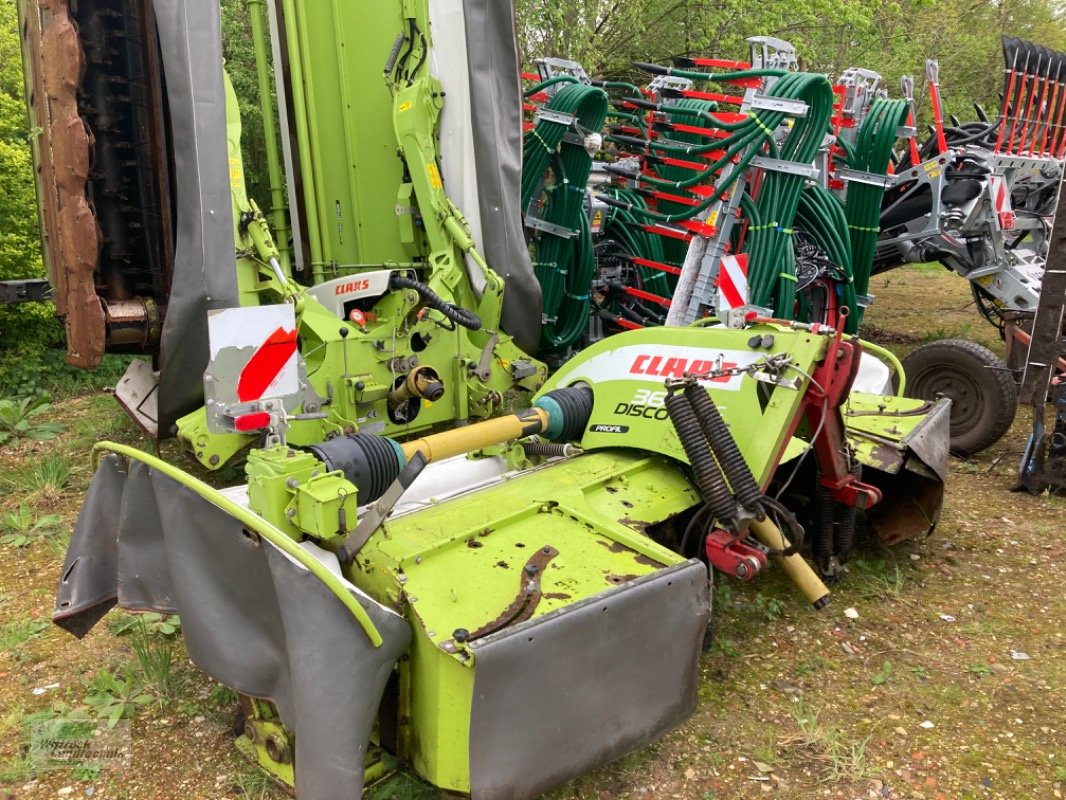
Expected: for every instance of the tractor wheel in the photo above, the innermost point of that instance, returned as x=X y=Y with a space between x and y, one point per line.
x=984 y=398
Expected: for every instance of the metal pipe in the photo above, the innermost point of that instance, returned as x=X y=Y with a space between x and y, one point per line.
x=278 y=207
x=458 y=441
x=302 y=114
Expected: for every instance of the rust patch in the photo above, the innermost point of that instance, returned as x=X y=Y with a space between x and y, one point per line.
x=556 y=596
x=884 y=457
x=529 y=595
x=617 y=547
x=648 y=562
x=618 y=580
x=639 y=525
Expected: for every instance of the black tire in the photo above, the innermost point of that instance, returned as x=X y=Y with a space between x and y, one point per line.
x=984 y=397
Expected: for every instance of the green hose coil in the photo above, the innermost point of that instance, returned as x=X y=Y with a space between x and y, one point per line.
x=555 y=172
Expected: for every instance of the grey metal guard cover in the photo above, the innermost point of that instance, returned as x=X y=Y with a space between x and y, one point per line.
x=496 y=108
x=205 y=272
x=563 y=693
x=251 y=618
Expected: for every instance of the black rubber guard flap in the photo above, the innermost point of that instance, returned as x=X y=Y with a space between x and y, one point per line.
x=205 y=270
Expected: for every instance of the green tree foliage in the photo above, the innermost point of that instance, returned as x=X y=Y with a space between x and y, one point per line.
x=893 y=38
x=239 y=53
x=26 y=328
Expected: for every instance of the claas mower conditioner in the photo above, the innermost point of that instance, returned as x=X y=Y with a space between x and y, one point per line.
x=412 y=571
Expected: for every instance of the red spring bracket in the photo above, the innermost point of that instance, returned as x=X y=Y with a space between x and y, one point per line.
x=832 y=382
x=728 y=553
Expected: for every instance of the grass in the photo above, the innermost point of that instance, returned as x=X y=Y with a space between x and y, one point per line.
x=878 y=576
x=49 y=475
x=401 y=787
x=253 y=784
x=122 y=622
x=155 y=657
x=18 y=632
x=841 y=758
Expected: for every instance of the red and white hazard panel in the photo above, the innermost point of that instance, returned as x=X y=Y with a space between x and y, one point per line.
x=1001 y=205
x=732 y=283
x=259 y=343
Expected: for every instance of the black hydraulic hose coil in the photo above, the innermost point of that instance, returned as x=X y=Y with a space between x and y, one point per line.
x=822 y=542
x=457 y=314
x=575 y=402
x=844 y=537
x=545 y=449
x=369 y=461
x=709 y=478
x=725 y=449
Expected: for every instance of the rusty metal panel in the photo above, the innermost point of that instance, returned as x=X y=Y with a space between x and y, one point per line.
x=56 y=62
x=94 y=87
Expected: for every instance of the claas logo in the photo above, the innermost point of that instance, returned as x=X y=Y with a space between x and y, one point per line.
x=663 y=367
x=352 y=286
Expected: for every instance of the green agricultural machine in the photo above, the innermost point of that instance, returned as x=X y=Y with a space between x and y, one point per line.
x=408 y=574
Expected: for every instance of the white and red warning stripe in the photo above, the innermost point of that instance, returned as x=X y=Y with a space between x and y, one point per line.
x=261 y=341
x=732 y=282
x=997 y=186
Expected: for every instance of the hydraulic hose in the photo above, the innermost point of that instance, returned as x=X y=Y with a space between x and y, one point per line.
x=771 y=262
x=820 y=215
x=457 y=314
x=564 y=259
x=623 y=224
x=872 y=153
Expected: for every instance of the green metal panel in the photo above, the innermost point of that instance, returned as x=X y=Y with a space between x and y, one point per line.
x=879 y=427
x=628 y=372
x=349 y=156
x=460 y=565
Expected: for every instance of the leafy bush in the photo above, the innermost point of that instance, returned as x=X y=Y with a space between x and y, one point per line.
x=28 y=371
x=17 y=420
x=115 y=697
x=20 y=528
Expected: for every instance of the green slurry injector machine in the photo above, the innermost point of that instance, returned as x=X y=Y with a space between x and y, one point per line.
x=388 y=585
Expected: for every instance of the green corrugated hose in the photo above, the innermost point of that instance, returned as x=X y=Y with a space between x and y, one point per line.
x=872 y=152
x=564 y=265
